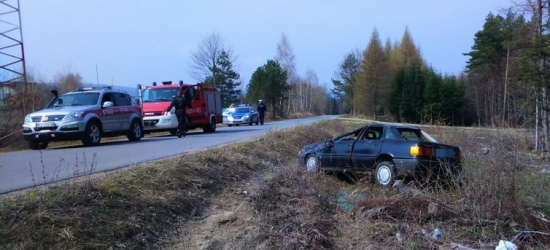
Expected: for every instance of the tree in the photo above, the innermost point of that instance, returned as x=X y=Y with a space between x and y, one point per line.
x=226 y=79
x=373 y=84
x=407 y=95
x=345 y=79
x=405 y=53
x=65 y=82
x=269 y=83
x=206 y=56
x=285 y=57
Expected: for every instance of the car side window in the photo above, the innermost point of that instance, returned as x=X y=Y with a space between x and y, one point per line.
x=374 y=133
x=122 y=99
x=106 y=98
x=390 y=135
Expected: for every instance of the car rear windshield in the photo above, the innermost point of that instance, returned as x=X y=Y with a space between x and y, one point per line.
x=410 y=134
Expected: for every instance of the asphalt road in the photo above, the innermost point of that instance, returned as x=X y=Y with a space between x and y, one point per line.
x=26 y=169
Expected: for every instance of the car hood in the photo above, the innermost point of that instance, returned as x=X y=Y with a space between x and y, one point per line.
x=312 y=147
x=155 y=106
x=239 y=114
x=62 y=110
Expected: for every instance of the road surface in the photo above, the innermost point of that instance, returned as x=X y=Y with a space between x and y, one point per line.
x=28 y=168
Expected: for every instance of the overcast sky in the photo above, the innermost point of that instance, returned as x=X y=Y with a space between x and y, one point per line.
x=141 y=41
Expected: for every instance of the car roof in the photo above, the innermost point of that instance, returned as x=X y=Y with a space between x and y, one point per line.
x=397 y=126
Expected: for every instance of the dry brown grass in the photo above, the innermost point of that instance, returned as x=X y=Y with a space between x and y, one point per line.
x=255 y=195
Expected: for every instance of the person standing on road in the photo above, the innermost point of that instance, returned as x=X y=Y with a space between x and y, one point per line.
x=261 y=110
x=180 y=104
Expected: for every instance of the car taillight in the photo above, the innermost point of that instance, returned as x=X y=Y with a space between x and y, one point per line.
x=421 y=151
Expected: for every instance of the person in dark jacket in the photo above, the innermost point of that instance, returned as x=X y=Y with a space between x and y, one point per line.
x=180 y=104
x=261 y=110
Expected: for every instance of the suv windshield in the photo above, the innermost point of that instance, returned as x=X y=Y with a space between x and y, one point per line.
x=155 y=95
x=77 y=99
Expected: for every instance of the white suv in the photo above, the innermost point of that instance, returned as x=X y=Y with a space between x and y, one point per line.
x=86 y=114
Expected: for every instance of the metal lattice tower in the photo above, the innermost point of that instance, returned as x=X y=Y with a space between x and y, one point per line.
x=12 y=56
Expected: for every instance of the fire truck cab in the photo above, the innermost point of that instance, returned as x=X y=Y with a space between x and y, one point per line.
x=205 y=109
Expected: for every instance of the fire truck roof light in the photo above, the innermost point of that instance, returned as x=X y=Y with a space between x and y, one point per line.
x=154 y=83
x=166 y=82
x=181 y=82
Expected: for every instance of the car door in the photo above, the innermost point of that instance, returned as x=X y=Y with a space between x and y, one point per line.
x=338 y=154
x=367 y=148
x=108 y=114
x=253 y=115
x=123 y=110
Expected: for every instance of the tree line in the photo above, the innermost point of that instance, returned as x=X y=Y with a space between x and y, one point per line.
x=505 y=82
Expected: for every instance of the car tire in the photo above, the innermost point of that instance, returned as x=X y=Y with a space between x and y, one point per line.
x=258 y=121
x=384 y=174
x=92 y=134
x=210 y=127
x=312 y=163
x=136 y=131
x=173 y=131
x=229 y=125
x=35 y=145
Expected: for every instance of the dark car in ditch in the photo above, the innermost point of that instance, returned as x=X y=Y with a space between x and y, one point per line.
x=389 y=151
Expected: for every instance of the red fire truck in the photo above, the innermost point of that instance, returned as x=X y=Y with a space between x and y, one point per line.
x=205 y=111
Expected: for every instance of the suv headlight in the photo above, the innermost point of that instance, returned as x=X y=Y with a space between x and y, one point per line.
x=28 y=119
x=75 y=115
x=246 y=116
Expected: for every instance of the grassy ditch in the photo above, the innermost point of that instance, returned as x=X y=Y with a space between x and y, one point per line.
x=500 y=195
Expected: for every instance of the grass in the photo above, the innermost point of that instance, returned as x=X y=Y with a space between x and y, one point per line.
x=258 y=197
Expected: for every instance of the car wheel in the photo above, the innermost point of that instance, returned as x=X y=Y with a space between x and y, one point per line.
x=173 y=131
x=136 y=131
x=92 y=134
x=35 y=145
x=257 y=121
x=312 y=163
x=384 y=174
x=229 y=125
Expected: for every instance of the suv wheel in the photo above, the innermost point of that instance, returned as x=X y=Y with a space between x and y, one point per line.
x=384 y=174
x=92 y=134
x=34 y=145
x=136 y=131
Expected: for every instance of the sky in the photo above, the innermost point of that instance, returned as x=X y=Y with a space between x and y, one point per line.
x=130 y=42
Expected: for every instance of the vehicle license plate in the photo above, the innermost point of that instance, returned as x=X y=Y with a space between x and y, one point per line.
x=45 y=124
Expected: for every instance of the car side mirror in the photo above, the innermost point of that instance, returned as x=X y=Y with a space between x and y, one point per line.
x=108 y=104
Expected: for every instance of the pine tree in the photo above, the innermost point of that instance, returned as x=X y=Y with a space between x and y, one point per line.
x=269 y=83
x=346 y=78
x=373 y=84
x=226 y=79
